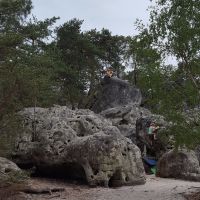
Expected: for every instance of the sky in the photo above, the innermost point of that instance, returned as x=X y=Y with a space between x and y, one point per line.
x=116 y=15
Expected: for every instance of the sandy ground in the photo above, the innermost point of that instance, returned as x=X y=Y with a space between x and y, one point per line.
x=154 y=189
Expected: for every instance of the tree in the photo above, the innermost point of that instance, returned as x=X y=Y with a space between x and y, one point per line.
x=173 y=33
x=146 y=73
x=175 y=29
x=84 y=55
x=25 y=67
x=112 y=49
x=78 y=58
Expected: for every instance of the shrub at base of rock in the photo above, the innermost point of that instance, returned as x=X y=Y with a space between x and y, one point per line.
x=10 y=173
x=182 y=164
x=78 y=144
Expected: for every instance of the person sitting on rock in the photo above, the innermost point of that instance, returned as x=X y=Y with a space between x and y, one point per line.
x=109 y=72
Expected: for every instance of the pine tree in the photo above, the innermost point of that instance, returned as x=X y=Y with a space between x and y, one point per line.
x=25 y=67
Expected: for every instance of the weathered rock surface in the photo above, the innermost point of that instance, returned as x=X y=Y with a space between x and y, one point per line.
x=133 y=121
x=120 y=102
x=183 y=164
x=78 y=144
x=112 y=93
x=126 y=117
x=7 y=169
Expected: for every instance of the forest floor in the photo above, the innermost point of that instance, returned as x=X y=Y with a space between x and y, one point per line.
x=154 y=189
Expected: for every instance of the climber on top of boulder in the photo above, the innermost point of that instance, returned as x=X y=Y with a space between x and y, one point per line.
x=109 y=72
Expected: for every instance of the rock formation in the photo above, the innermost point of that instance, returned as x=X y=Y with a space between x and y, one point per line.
x=181 y=164
x=78 y=144
x=120 y=102
x=8 y=170
x=114 y=92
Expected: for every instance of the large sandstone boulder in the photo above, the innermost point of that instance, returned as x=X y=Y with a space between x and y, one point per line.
x=8 y=169
x=126 y=118
x=114 y=92
x=181 y=164
x=78 y=144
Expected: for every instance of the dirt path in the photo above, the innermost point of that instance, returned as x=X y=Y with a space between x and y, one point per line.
x=154 y=189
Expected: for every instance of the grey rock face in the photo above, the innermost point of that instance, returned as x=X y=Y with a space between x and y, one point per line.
x=182 y=164
x=114 y=92
x=133 y=121
x=79 y=143
x=7 y=168
x=125 y=118
x=120 y=102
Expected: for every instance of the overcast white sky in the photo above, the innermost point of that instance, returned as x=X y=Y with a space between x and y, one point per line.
x=116 y=15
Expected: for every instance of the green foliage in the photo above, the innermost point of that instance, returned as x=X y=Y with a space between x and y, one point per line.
x=13 y=12
x=175 y=29
x=170 y=90
x=111 y=48
x=25 y=67
x=83 y=57
x=72 y=71
x=10 y=127
x=15 y=177
x=146 y=73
